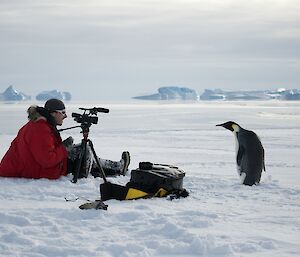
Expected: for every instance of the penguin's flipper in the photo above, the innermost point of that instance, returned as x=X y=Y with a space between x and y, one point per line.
x=263 y=159
x=239 y=156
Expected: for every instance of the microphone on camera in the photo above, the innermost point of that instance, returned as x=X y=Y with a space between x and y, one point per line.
x=95 y=109
x=100 y=109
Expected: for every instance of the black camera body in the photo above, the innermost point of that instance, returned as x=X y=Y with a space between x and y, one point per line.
x=84 y=118
x=89 y=116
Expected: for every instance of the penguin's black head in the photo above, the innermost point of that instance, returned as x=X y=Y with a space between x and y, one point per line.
x=230 y=125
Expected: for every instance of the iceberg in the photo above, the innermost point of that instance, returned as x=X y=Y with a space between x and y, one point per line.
x=292 y=94
x=10 y=94
x=280 y=94
x=172 y=93
x=216 y=94
x=46 y=95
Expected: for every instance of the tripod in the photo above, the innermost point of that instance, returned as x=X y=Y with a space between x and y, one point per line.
x=83 y=157
x=86 y=119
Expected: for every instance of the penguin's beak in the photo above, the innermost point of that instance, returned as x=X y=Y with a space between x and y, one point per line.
x=226 y=125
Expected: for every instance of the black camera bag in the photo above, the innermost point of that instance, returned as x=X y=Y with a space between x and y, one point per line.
x=151 y=177
x=149 y=180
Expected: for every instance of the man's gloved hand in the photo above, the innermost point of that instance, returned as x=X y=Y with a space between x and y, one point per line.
x=68 y=143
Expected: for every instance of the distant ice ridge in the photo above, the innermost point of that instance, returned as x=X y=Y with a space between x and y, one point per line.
x=281 y=94
x=172 y=93
x=184 y=93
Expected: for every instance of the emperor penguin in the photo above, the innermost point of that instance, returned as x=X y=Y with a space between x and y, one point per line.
x=250 y=154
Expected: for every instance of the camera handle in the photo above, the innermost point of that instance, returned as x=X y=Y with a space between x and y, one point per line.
x=59 y=130
x=82 y=155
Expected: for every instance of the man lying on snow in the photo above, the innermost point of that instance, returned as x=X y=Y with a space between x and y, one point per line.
x=39 y=152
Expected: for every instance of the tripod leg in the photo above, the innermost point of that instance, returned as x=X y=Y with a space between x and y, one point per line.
x=78 y=164
x=97 y=161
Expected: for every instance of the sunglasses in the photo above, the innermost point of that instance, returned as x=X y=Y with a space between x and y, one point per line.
x=63 y=112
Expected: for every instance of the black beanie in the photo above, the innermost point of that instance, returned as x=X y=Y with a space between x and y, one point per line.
x=54 y=105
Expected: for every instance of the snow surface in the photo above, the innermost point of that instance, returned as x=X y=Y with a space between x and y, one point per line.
x=219 y=218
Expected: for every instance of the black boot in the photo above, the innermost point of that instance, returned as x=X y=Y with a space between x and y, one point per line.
x=112 y=168
x=125 y=161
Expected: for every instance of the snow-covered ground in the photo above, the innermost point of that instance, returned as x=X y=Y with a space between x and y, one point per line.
x=219 y=218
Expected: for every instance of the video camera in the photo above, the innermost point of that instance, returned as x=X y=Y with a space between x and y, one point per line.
x=89 y=116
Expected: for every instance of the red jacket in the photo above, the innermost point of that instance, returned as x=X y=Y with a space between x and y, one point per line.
x=36 y=152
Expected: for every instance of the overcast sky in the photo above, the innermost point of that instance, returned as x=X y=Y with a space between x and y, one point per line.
x=116 y=49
